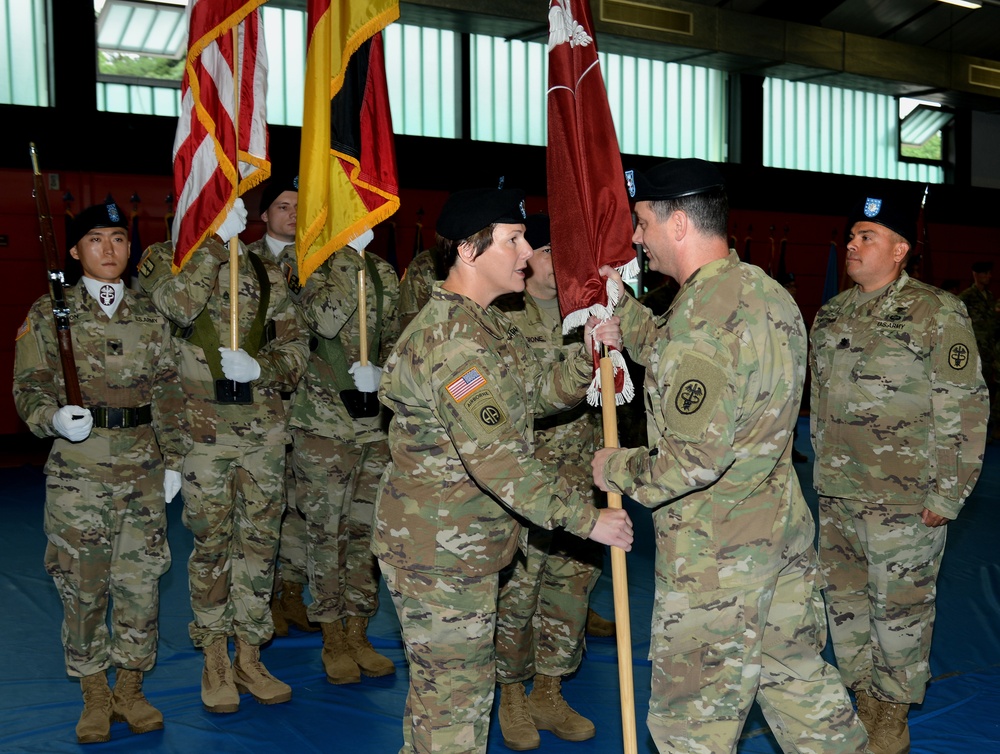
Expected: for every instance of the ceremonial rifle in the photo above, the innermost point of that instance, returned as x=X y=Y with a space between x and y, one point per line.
x=57 y=283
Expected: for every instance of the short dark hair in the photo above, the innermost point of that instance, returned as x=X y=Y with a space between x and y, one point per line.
x=708 y=211
x=480 y=241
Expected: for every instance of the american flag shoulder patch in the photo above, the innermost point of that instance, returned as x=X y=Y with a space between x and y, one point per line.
x=465 y=385
x=23 y=330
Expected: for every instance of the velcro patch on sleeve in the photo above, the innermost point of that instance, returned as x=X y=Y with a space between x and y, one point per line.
x=146 y=265
x=958 y=344
x=696 y=389
x=466 y=385
x=23 y=330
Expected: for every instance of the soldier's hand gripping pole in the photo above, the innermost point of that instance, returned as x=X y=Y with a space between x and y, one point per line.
x=57 y=284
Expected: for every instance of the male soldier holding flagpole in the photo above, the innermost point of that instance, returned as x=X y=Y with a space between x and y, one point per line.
x=737 y=614
x=235 y=456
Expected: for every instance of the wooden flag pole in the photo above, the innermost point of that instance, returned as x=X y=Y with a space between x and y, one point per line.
x=619 y=576
x=234 y=242
x=362 y=313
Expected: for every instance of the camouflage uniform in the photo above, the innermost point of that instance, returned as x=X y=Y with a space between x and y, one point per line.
x=105 y=516
x=738 y=611
x=292 y=545
x=982 y=309
x=417 y=283
x=899 y=413
x=339 y=460
x=542 y=608
x=235 y=459
x=463 y=386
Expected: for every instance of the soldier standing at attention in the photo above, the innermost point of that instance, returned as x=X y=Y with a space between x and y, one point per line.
x=340 y=450
x=982 y=307
x=464 y=386
x=235 y=457
x=737 y=583
x=107 y=480
x=279 y=204
x=542 y=609
x=898 y=411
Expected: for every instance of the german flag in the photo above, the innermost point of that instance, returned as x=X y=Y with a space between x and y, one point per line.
x=347 y=168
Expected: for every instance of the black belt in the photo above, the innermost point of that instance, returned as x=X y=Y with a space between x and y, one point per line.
x=126 y=417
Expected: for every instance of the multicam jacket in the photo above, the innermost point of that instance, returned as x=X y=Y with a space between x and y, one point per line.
x=899 y=406
x=725 y=370
x=126 y=361
x=204 y=283
x=464 y=388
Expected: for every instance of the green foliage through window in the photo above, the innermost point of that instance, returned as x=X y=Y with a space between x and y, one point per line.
x=140 y=66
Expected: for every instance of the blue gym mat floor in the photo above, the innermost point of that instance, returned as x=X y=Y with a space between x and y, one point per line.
x=39 y=704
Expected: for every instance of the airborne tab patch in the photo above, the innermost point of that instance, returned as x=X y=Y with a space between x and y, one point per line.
x=465 y=385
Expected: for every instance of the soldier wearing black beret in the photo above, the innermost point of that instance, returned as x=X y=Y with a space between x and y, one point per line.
x=463 y=387
x=115 y=463
x=898 y=413
x=724 y=378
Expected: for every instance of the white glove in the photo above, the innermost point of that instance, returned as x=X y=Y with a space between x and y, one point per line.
x=239 y=366
x=367 y=377
x=73 y=422
x=235 y=222
x=361 y=242
x=171 y=484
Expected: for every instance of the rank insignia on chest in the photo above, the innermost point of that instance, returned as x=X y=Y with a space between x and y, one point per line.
x=465 y=385
x=293 y=281
x=958 y=356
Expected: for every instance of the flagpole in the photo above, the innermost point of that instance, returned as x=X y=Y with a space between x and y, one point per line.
x=234 y=242
x=619 y=575
x=363 y=313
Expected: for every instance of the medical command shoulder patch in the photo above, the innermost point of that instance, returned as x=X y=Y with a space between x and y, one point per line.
x=465 y=385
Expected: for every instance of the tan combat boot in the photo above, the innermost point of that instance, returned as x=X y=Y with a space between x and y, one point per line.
x=94 y=726
x=519 y=732
x=598 y=626
x=361 y=651
x=251 y=675
x=868 y=710
x=337 y=662
x=293 y=608
x=551 y=712
x=131 y=705
x=891 y=734
x=218 y=690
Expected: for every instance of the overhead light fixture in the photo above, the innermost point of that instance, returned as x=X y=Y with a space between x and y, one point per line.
x=963 y=3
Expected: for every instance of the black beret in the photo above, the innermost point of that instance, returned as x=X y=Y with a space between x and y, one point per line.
x=107 y=215
x=894 y=211
x=536 y=230
x=275 y=187
x=465 y=213
x=673 y=179
x=982 y=266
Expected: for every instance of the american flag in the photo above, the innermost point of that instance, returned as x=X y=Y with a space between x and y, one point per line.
x=466 y=384
x=219 y=152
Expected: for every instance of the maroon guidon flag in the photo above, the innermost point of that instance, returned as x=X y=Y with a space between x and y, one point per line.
x=588 y=206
